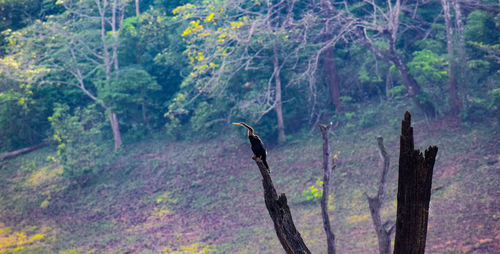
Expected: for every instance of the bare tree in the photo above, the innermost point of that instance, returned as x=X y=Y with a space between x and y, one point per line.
x=328 y=167
x=375 y=203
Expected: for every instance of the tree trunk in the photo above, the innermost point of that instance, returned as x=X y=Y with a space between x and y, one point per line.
x=375 y=204
x=414 y=192
x=332 y=78
x=137 y=8
x=113 y=120
x=412 y=85
x=280 y=213
x=391 y=55
x=327 y=172
x=144 y=117
x=388 y=84
x=452 y=82
x=278 y=108
x=21 y=151
x=461 y=39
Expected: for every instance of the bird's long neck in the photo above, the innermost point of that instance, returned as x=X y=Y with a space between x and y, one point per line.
x=250 y=129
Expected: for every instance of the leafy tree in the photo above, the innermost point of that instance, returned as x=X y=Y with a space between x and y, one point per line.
x=78 y=48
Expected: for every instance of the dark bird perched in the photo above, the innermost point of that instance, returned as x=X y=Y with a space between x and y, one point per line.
x=258 y=148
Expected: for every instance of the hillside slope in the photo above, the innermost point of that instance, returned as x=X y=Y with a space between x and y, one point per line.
x=200 y=197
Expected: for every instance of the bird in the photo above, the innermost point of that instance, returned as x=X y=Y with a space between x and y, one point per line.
x=258 y=148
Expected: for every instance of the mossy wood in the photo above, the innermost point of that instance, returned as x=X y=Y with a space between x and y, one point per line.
x=279 y=211
x=414 y=192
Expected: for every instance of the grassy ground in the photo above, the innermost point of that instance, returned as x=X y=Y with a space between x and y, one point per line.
x=206 y=197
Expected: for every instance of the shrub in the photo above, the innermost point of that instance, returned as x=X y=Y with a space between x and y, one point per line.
x=79 y=137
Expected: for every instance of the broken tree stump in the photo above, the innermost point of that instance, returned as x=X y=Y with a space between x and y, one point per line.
x=280 y=213
x=414 y=192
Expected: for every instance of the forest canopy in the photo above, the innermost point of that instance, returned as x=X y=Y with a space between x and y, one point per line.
x=126 y=69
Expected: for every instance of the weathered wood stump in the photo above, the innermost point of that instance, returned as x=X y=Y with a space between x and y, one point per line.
x=414 y=192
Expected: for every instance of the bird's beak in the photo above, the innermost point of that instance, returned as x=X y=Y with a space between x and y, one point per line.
x=238 y=124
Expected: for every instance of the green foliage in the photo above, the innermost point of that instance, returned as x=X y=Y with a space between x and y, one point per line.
x=427 y=67
x=23 y=114
x=314 y=192
x=398 y=92
x=480 y=27
x=79 y=139
x=130 y=95
x=475 y=111
x=205 y=121
x=368 y=118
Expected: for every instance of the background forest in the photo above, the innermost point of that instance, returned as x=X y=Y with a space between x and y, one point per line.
x=134 y=100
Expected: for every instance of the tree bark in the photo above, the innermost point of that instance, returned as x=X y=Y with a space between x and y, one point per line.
x=278 y=108
x=452 y=81
x=461 y=38
x=115 y=126
x=414 y=192
x=21 y=151
x=279 y=211
x=375 y=203
x=327 y=172
x=110 y=61
x=137 y=8
x=388 y=84
x=332 y=78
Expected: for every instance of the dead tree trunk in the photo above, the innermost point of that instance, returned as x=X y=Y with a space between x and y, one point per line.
x=327 y=169
x=21 y=151
x=280 y=213
x=414 y=192
x=375 y=203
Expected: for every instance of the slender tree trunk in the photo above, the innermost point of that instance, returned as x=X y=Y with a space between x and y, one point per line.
x=461 y=39
x=375 y=204
x=278 y=108
x=414 y=192
x=388 y=84
x=113 y=120
x=327 y=172
x=137 y=8
x=452 y=82
x=144 y=118
x=112 y=60
x=332 y=78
